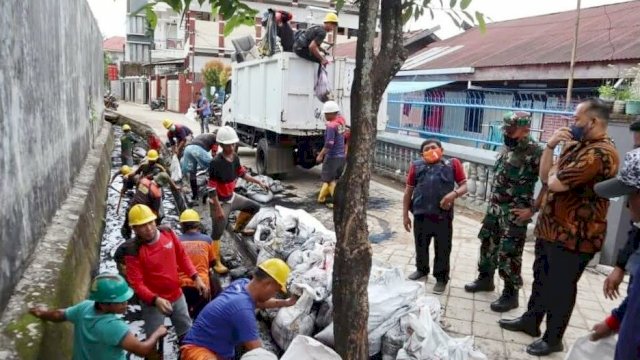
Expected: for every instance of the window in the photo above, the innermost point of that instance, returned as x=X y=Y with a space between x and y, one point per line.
x=352 y=33
x=473 y=115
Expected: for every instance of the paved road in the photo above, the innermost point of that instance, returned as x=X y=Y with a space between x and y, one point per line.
x=464 y=314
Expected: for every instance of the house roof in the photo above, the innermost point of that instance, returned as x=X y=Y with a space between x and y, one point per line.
x=348 y=49
x=114 y=44
x=610 y=32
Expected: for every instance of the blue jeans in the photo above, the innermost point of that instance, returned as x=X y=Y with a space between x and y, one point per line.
x=194 y=156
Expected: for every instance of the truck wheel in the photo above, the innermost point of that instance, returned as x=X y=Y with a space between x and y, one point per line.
x=261 y=156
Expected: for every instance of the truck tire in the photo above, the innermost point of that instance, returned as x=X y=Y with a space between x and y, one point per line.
x=262 y=151
x=305 y=157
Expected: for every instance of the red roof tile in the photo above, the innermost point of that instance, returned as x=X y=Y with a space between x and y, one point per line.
x=114 y=44
x=610 y=32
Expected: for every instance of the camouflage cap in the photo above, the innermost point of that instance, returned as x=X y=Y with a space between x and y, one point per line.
x=517 y=118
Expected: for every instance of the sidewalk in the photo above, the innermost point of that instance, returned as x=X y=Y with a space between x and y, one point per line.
x=464 y=313
x=154 y=118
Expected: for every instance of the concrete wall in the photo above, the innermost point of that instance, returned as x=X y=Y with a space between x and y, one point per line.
x=51 y=83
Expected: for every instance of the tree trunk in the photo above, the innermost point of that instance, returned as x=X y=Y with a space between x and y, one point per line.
x=353 y=252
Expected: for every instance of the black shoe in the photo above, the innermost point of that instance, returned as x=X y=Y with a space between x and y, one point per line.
x=520 y=324
x=542 y=348
x=439 y=287
x=417 y=275
x=484 y=282
x=507 y=301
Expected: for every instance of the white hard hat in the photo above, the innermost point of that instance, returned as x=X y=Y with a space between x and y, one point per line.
x=330 y=107
x=227 y=136
x=259 y=354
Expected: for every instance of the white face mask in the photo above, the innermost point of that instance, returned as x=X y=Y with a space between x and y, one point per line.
x=172 y=128
x=637 y=224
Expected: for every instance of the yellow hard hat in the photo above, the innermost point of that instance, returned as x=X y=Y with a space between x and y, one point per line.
x=152 y=155
x=141 y=214
x=278 y=270
x=126 y=127
x=331 y=18
x=125 y=170
x=167 y=123
x=189 y=215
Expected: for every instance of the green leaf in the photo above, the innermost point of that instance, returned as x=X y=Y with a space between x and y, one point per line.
x=231 y=24
x=407 y=15
x=214 y=11
x=339 y=5
x=471 y=20
x=455 y=21
x=481 y=23
x=464 y=4
x=452 y=3
x=152 y=18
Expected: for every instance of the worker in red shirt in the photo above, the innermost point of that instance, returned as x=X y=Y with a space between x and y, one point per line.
x=199 y=247
x=224 y=170
x=153 y=260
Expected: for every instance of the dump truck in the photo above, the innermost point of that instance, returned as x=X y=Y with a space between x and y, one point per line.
x=272 y=105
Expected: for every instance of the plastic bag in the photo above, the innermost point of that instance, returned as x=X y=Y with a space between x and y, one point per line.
x=293 y=321
x=429 y=342
x=304 y=347
x=259 y=354
x=321 y=88
x=191 y=114
x=585 y=349
x=325 y=313
x=176 y=171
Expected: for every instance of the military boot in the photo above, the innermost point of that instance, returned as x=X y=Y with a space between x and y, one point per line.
x=507 y=301
x=484 y=282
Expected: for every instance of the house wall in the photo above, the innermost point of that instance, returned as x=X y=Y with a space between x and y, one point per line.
x=45 y=136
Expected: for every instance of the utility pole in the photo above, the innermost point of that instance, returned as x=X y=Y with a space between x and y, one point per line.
x=573 y=58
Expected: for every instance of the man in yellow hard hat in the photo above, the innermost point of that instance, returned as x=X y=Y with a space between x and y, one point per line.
x=229 y=320
x=153 y=260
x=99 y=331
x=151 y=169
x=178 y=135
x=127 y=142
x=307 y=42
x=199 y=248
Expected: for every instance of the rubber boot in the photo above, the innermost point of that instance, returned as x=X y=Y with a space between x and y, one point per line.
x=506 y=302
x=218 y=267
x=324 y=192
x=484 y=282
x=332 y=189
x=241 y=221
x=193 y=181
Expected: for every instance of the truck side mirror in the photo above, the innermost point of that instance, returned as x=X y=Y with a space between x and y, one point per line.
x=226 y=97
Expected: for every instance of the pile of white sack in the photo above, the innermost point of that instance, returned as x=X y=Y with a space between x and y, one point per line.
x=403 y=322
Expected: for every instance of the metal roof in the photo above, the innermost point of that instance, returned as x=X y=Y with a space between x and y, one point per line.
x=607 y=33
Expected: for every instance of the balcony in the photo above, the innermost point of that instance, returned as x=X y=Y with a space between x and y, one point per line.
x=170 y=44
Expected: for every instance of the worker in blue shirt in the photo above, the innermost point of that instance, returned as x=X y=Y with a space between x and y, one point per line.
x=229 y=320
x=627 y=184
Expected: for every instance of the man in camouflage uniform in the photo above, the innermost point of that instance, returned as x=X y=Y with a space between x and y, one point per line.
x=510 y=209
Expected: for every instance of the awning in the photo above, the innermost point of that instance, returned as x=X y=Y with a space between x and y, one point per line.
x=399 y=87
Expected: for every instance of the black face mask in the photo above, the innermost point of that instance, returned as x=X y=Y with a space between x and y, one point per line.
x=510 y=142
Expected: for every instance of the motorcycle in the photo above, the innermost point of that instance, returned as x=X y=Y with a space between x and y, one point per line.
x=110 y=101
x=158 y=104
x=216 y=114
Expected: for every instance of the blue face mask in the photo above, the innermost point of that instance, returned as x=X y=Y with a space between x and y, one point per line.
x=577 y=132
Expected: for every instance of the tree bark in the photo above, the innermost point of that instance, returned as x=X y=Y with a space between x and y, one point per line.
x=353 y=252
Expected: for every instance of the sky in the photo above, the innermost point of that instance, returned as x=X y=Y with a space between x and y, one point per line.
x=111 y=14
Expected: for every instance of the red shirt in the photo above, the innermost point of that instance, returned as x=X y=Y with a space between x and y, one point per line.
x=458 y=173
x=154 y=143
x=223 y=175
x=153 y=270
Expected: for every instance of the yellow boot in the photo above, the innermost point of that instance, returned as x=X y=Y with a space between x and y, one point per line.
x=241 y=221
x=324 y=192
x=218 y=267
x=332 y=190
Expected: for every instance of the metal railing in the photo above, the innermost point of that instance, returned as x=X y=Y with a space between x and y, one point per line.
x=470 y=117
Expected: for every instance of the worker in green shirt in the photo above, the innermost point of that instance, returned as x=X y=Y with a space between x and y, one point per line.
x=99 y=333
x=127 y=142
